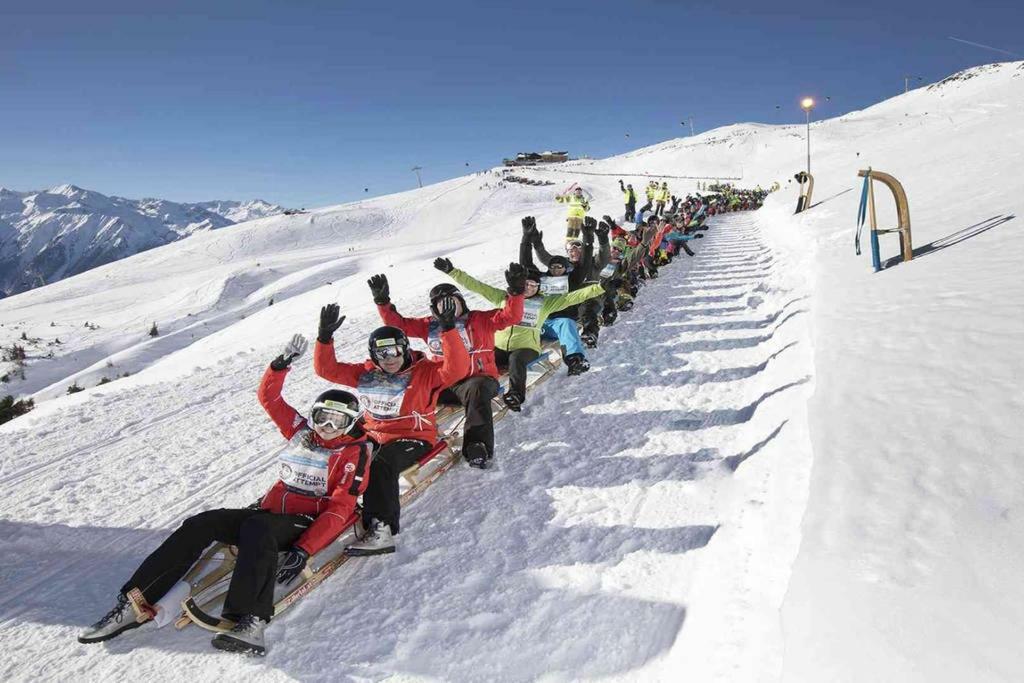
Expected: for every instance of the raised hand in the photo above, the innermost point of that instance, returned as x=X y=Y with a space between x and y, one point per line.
x=589 y=224
x=602 y=230
x=380 y=289
x=515 y=276
x=529 y=224
x=292 y=350
x=330 y=320
x=444 y=265
x=446 y=313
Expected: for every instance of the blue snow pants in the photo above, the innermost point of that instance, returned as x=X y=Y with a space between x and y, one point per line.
x=566 y=332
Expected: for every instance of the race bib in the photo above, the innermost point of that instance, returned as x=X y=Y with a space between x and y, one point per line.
x=608 y=270
x=381 y=394
x=554 y=285
x=434 y=337
x=304 y=468
x=531 y=311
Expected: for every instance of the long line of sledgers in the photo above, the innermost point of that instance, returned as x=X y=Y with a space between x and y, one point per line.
x=404 y=418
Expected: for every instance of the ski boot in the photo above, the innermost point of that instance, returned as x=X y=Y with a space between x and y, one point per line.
x=576 y=364
x=589 y=340
x=608 y=318
x=476 y=455
x=245 y=637
x=376 y=541
x=122 y=617
x=513 y=401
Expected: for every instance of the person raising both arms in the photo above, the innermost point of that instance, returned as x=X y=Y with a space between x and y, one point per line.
x=477 y=330
x=323 y=472
x=398 y=390
x=517 y=346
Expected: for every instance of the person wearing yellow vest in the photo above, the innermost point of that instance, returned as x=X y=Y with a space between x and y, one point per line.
x=578 y=208
x=661 y=197
x=629 y=197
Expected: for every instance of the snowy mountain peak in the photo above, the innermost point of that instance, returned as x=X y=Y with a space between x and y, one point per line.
x=52 y=234
x=67 y=190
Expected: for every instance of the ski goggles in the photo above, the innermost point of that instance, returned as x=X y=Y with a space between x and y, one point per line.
x=396 y=351
x=334 y=415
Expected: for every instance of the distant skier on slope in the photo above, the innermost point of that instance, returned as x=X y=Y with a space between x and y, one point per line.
x=477 y=330
x=517 y=346
x=398 y=390
x=323 y=472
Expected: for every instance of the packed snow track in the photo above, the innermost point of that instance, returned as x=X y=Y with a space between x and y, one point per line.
x=663 y=466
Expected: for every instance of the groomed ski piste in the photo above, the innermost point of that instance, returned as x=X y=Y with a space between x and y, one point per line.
x=781 y=466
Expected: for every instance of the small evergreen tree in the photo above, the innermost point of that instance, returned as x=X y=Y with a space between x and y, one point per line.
x=10 y=409
x=74 y=388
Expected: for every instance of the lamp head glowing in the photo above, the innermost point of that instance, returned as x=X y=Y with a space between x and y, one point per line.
x=807 y=103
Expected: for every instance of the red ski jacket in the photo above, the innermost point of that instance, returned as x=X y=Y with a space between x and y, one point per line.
x=398 y=406
x=476 y=328
x=656 y=243
x=320 y=479
x=618 y=231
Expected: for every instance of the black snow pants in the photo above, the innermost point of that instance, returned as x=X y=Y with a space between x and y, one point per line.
x=516 y=362
x=590 y=311
x=259 y=535
x=381 y=500
x=475 y=393
x=630 y=212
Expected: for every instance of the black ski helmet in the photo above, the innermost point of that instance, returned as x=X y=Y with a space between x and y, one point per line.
x=389 y=337
x=342 y=404
x=533 y=274
x=446 y=289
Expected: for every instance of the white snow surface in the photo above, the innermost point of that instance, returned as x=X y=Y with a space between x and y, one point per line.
x=52 y=234
x=782 y=466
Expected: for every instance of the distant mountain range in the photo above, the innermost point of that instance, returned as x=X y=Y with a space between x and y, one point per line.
x=52 y=234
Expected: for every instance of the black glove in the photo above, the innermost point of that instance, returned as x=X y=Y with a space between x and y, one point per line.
x=515 y=276
x=529 y=225
x=698 y=236
x=603 y=229
x=538 y=237
x=589 y=224
x=292 y=565
x=330 y=320
x=446 y=313
x=444 y=265
x=380 y=289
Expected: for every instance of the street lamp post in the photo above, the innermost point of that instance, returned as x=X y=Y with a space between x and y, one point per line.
x=417 y=169
x=807 y=104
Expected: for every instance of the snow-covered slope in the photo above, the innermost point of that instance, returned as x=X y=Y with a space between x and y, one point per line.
x=240 y=212
x=50 y=235
x=782 y=465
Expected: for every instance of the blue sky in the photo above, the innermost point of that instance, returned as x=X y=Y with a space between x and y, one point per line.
x=307 y=103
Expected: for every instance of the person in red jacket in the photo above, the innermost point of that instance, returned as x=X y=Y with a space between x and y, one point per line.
x=398 y=390
x=322 y=473
x=477 y=330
